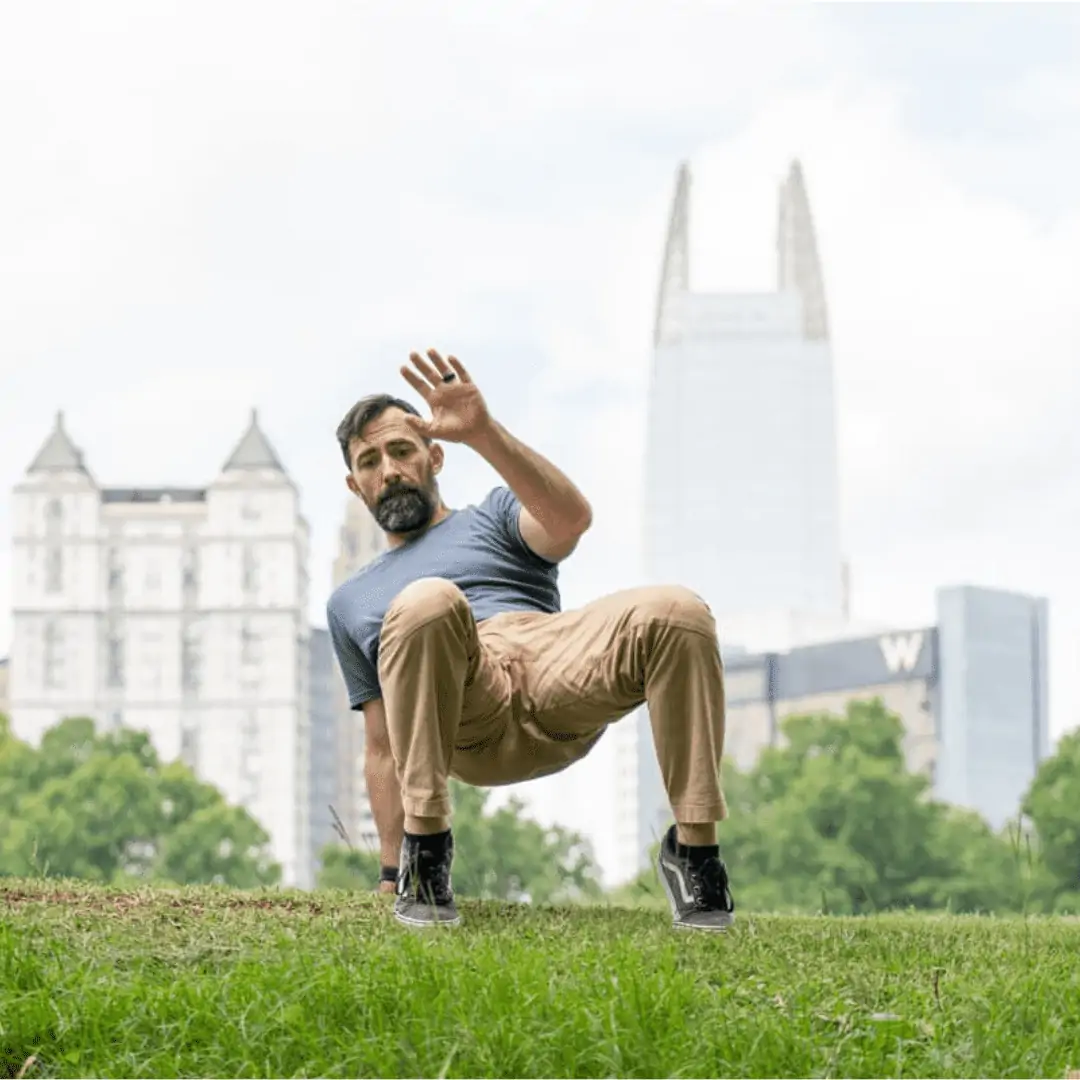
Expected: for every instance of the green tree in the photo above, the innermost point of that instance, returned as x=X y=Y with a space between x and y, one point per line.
x=1053 y=805
x=217 y=844
x=832 y=820
x=103 y=808
x=348 y=868
x=506 y=856
x=500 y=855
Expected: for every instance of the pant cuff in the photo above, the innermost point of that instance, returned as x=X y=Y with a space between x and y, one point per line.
x=700 y=813
x=438 y=807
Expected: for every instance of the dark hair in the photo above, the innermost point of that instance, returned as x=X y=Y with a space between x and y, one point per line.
x=362 y=413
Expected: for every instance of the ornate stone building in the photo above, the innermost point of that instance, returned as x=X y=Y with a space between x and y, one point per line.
x=179 y=611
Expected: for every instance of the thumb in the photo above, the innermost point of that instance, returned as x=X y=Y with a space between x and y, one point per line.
x=419 y=425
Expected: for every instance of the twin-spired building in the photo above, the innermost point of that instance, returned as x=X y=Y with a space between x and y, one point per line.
x=179 y=611
x=742 y=400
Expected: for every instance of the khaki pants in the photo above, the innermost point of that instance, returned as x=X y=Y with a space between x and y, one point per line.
x=522 y=695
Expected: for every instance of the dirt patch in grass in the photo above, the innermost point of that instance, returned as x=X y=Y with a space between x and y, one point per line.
x=123 y=902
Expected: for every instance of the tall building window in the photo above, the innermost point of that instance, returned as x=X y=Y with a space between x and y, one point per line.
x=54 y=517
x=54 y=569
x=114 y=674
x=152 y=660
x=191 y=661
x=115 y=573
x=250 y=759
x=54 y=553
x=250 y=647
x=189 y=747
x=191 y=569
x=54 y=655
x=250 y=570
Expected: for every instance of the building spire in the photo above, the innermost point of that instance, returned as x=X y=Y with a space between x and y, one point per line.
x=799 y=267
x=254 y=450
x=59 y=453
x=675 y=273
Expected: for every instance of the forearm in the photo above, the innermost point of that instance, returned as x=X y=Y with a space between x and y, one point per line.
x=543 y=489
x=384 y=794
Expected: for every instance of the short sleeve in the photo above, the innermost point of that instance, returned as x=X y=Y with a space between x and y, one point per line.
x=504 y=508
x=361 y=678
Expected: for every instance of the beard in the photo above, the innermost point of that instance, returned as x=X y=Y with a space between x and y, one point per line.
x=405 y=508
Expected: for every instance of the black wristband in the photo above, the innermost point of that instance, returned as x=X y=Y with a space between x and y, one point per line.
x=388 y=873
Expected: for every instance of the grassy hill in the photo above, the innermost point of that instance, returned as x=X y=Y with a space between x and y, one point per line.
x=97 y=982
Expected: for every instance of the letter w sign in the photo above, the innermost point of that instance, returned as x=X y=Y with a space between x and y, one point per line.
x=901 y=651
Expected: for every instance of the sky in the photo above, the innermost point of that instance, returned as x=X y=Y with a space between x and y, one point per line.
x=207 y=207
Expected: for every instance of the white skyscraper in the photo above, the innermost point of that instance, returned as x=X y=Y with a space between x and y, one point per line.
x=741 y=475
x=178 y=611
x=360 y=541
x=742 y=499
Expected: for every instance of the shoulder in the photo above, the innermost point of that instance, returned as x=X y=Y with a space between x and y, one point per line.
x=495 y=516
x=351 y=592
x=499 y=506
x=499 y=517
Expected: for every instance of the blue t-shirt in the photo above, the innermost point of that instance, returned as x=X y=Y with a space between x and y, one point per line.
x=479 y=549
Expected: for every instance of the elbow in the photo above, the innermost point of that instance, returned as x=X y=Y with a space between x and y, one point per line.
x=571 y=533
x=571 y=530
x=583 y=522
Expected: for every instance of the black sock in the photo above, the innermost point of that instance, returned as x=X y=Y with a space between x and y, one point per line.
x=430 y=841
x=696 y=853
x=699 y=853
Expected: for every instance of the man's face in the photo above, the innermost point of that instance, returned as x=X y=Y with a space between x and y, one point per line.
x=393 y=471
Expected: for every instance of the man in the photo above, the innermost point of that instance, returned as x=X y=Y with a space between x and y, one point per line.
x=454 y=646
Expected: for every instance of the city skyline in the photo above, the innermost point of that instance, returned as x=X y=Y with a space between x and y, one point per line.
x=334 y=759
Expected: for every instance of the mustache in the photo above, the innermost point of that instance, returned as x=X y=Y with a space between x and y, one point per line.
x=396 y=490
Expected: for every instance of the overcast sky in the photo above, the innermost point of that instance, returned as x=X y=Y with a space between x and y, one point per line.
x=210 y=206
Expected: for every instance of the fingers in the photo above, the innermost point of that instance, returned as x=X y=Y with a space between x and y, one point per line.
x=421 y=365
x=433 y=374
x=414 y=380
x=439 y=362
x=459 y=368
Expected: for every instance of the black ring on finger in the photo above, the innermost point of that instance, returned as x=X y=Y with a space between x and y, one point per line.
x=450 y=376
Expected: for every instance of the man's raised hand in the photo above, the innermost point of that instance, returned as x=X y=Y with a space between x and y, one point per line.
x=458 y=410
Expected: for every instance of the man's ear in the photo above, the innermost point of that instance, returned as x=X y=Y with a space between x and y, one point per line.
x=350 y=483
x=437 y=458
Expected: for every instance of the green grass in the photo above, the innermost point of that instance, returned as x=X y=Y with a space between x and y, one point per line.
x=211 y=983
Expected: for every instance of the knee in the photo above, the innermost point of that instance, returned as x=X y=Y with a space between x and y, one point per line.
x=666 y=606
x=424 y=601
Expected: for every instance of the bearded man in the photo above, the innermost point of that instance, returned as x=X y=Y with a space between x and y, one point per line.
x=454 y=645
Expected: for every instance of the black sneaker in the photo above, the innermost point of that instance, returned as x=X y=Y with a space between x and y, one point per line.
x=699 y=893
x=424 y=894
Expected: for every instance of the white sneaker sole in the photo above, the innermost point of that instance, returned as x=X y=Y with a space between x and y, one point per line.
x=424 y=924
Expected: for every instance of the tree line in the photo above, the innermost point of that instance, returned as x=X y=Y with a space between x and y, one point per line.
x=831 y=820
x=103 y=807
